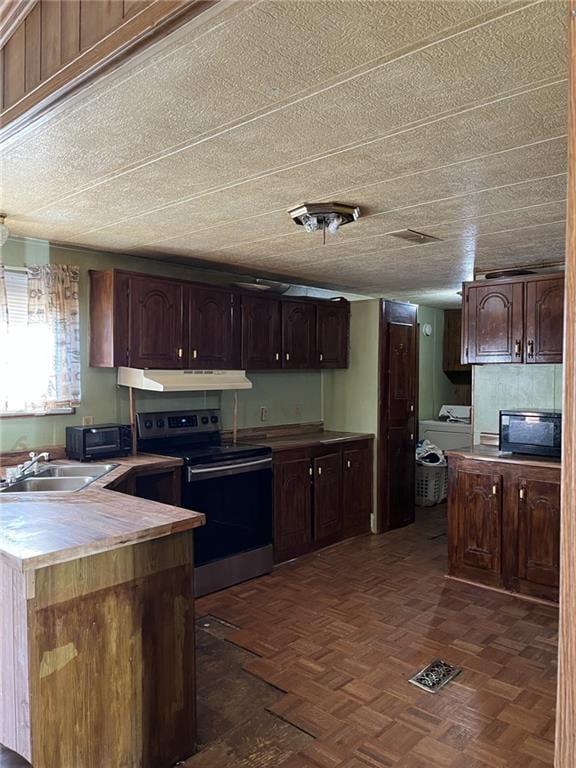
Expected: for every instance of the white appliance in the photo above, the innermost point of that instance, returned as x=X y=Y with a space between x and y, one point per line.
x=451 y=430
x=182 y=381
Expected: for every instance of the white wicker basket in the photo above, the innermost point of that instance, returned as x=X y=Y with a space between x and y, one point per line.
x=431 y=483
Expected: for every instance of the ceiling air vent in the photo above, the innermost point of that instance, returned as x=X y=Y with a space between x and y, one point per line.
x=418 y=238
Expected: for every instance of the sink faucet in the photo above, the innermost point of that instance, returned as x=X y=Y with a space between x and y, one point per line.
x=24 y=469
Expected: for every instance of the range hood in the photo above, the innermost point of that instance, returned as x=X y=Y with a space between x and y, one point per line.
x=182 y=381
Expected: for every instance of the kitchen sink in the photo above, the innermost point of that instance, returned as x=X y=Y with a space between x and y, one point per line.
x=73 y=470
x=47 y=484
x=58 y=478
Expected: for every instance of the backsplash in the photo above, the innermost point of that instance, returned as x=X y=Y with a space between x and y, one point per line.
x=496 y=387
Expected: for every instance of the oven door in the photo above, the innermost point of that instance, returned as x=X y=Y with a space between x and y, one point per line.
x=536 y=434
x=236 y=498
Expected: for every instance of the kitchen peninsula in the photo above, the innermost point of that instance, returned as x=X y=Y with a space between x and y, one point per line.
x=97 y=653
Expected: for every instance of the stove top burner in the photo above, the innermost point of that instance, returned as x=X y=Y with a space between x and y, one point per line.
x=209 y=454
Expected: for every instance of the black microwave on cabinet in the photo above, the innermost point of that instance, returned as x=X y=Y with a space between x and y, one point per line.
x=99 y=441
x=533 y=433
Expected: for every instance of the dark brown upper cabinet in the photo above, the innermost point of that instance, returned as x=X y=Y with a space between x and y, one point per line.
x=518 y=320
x=156 y=323
x=332 y=331
x=544 y=320
x=145 y=321
x=213 y=329
x=299 y=335
x=452 y=342
x=261 y=333
x=494 y=322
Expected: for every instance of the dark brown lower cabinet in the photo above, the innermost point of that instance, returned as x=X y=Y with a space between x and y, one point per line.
x=327 y=498
x=321 y=496
x=292 y=506
x=504 y=525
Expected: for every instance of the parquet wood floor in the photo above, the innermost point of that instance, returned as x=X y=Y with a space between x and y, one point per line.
x=342 y=630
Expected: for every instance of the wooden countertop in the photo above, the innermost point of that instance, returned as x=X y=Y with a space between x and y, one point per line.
x=42 y=529
x=492 y=453
x=306 y=439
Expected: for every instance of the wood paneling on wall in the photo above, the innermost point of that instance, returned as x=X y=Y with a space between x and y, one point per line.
x=565 y=755
x=50 y=47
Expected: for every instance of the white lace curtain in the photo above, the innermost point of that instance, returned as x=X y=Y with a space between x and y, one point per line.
x=41 y=342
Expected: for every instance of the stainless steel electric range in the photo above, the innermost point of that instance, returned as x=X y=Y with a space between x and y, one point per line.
x=230 y=484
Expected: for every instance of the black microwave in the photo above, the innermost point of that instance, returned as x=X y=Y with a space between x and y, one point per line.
x=99 y=441
x=534 y=433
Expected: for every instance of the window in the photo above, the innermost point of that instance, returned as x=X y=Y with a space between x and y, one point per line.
x=39 y=337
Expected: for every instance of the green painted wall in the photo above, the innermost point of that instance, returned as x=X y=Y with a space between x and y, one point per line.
x=496 y=387
x=290 y=397
x=434 y=387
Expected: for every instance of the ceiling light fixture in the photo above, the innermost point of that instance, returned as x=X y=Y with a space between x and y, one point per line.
x=4 y=231
x=324 y=216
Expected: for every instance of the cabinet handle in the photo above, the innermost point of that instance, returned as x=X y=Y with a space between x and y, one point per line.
x=411 y=409
x=321 y=357
x=494 y=490
x=319 y=470
x=287 y=356
x=522 y=493
x=530 y=348
x=277 y=355
x=179 y=353
x=348 y=463
x=194 y=353
x=310 y=471
x=518 y=348
x=411 y=436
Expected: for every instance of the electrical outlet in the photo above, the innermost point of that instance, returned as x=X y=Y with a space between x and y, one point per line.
x=87 y=421
x=263 y=413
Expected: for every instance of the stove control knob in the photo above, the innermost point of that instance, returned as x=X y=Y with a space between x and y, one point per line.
x=148 y=424
x=159 y=423
x=214 y=419
x=204 y=419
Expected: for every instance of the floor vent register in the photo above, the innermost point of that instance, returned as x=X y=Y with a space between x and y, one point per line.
x=435 y=675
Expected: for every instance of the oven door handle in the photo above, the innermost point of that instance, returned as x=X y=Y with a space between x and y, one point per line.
x=229 y=469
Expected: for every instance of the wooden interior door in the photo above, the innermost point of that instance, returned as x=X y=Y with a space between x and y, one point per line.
x=213 y=341
x=261 y=334
x=156 y=323
x=356 y=490
x=292 y=507
x=544 y=320
x=327 y=497
x=299 y=335
x=538 y=555
x=494 y=323
x=479 y=525
x=398 y=388
x=332 y=334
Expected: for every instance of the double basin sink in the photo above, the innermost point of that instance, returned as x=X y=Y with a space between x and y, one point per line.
x=58 y=478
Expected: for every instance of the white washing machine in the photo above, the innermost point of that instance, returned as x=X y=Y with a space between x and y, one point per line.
x=451 y=430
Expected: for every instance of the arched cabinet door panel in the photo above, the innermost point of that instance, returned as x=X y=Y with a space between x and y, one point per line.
x=156 y=323
x=214 y=341
x=494 y=323
x=299 y=335
x=544 y=320
x=261 y=334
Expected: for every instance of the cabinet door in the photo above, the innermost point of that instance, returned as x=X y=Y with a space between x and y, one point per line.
x=292 y=508
x=356 y=490
x=494 y=323
x=213 y=341
x=298 y=334
x=452 y=342
x=327 y=498
x=261 y=338
x=478 y=508
x=544 y=320
x=332 y=324
x=538 y=520
x=156 y=321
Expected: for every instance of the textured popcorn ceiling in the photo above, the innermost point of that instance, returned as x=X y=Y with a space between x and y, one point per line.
x=442 y=116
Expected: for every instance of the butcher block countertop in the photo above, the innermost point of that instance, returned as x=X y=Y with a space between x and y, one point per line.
x=38 y=529
x=492 y=453
x=306 y=439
